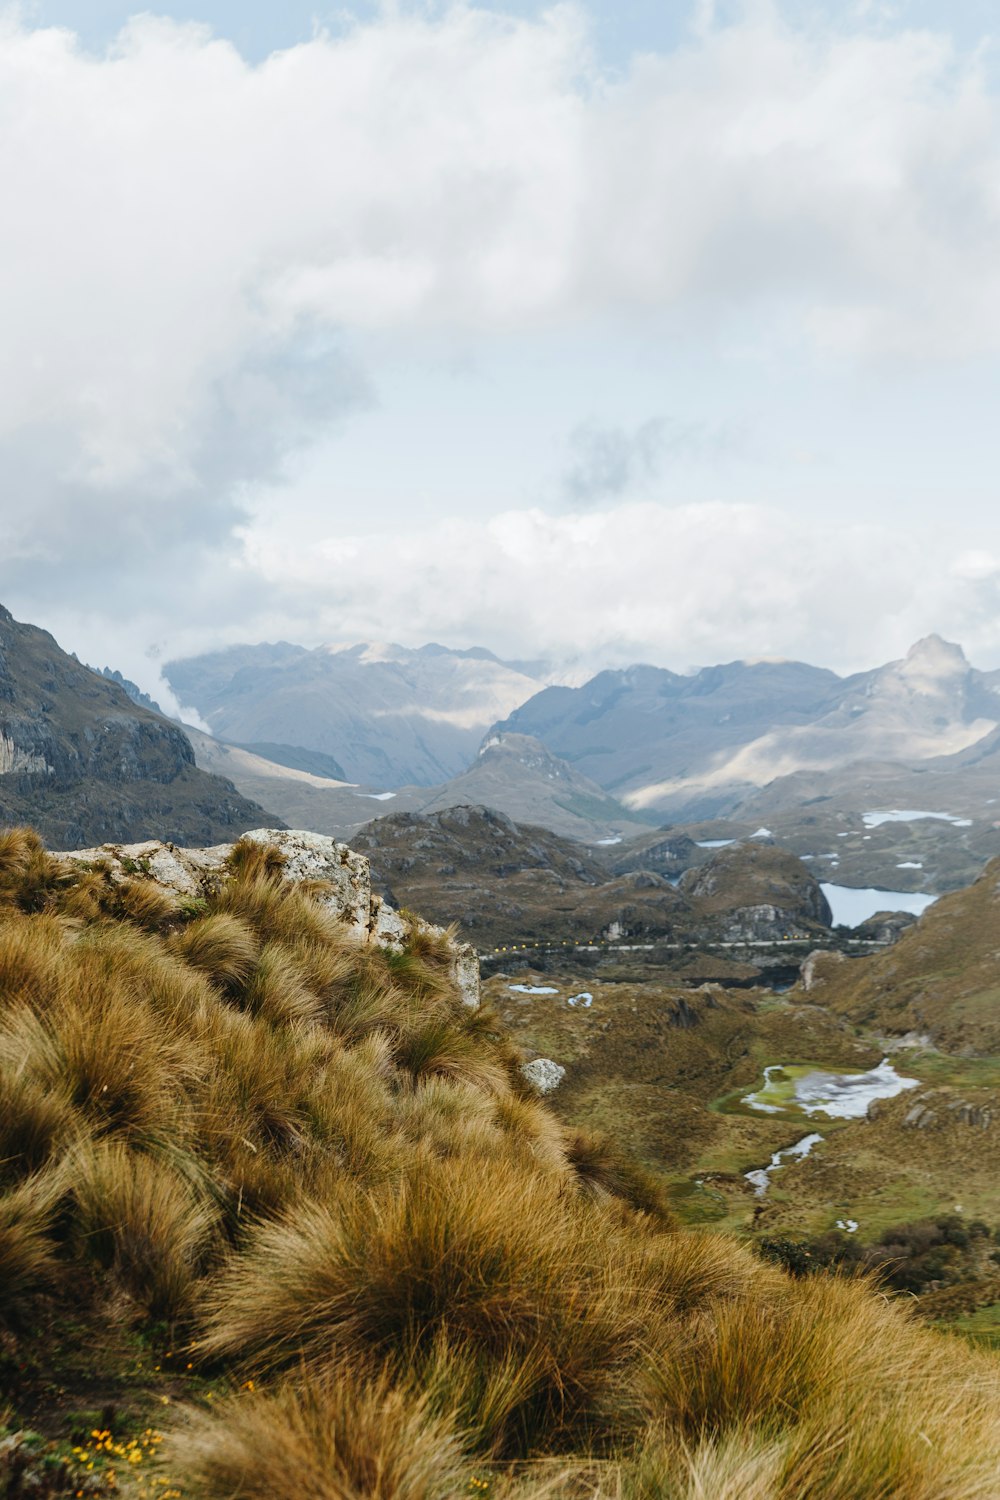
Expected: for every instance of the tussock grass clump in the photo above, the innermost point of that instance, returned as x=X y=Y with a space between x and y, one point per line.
x=31 y=960
x=142 y=1222
x=29 y=877
x=219 y=946
x=145 y=903
x=605 y=1171
x=37 y=1119
x=278 y=989
x=438 y=1048
x=27 y=1253
x=328 y=1437
x=314 y=1166
x=518 y=1304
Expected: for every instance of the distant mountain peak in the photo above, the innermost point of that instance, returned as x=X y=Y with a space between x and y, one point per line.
x=932 y=655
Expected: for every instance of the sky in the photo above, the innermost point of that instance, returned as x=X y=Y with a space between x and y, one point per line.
x=596 y=333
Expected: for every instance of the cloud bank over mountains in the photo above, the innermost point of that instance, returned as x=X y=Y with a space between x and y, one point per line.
x=208 y=265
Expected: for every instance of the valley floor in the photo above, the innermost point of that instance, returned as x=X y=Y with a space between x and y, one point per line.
x=668 y=1067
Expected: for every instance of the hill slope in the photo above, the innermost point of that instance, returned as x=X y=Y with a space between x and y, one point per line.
x=512 y=774
x=84 y=764
x=324 y=1241
x=942 y=977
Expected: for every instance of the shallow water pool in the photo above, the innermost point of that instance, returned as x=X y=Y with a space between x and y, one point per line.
x=818 y=1091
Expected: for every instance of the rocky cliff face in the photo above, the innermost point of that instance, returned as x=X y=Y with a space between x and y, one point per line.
x=81 y=762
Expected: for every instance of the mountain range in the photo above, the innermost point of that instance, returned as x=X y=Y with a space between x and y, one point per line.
x=700 y=746
x=512 y=774
x=792 y=747
x=383 y=715
x=886 y=778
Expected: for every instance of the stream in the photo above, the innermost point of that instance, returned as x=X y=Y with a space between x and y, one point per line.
x=760 y=1177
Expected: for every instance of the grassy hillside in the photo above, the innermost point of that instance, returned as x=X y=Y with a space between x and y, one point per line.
x=280 y=1218
x=668 y=1066
x=941 y=978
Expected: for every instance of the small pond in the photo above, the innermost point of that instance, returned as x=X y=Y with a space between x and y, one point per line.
x=806 y=1090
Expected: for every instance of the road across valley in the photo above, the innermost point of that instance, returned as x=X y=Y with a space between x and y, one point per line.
x=598 y=945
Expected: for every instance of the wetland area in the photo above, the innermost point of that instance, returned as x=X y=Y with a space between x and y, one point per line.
x=767 y=1114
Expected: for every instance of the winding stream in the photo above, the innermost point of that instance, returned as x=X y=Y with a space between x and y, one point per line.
x=760 y=1177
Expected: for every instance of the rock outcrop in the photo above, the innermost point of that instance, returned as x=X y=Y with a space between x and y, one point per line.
x=308 y=856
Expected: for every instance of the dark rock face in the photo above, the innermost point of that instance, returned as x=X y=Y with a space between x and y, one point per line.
x=84 y=764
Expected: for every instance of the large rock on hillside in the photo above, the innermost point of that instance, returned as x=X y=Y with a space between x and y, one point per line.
x=308 y=856
x=753 y=892
x=82 y=763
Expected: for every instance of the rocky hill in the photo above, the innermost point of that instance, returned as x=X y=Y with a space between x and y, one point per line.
x=387 y=716
x=84 y=764
x=508 y=884
x=757 y=890
x=518 y=776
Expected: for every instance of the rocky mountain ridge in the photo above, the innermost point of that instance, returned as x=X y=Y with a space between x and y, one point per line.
x=506 y=884
x=81 y=762
x=699 y=746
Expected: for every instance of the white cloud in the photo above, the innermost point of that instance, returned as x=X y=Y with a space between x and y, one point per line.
x=191 y=244
x=677 y=585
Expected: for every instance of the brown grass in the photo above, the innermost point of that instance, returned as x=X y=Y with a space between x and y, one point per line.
x=27 y=1252
x=312 y=1156
x=142 y=1222
x=327 y=1437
